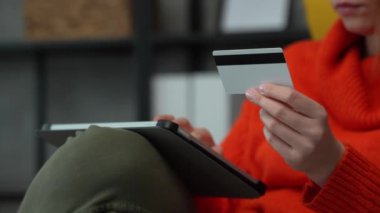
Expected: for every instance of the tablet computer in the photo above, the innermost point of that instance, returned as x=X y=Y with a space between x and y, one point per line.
x=203 y=171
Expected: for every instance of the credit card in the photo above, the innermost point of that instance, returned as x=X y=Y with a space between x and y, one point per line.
x=246 y=68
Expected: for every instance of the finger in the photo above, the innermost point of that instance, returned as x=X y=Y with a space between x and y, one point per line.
x=286 y=115
x=283 y=132
x=280 y=146
x=280 y=111
x=184 y=124
x=167 y=117
x=203 y=135
x=293 y=98
x=218 y=149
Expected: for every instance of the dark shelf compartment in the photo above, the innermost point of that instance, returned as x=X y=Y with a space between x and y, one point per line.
x=12 y=196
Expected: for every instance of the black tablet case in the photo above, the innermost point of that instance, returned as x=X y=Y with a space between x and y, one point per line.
x=202 y=170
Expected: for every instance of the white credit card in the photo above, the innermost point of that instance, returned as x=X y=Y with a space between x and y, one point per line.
x=246 y=68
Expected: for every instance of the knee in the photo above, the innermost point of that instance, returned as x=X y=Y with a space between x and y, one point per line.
x=103 y=164
x=103 y=141
x=108 y=152
x=126 y=166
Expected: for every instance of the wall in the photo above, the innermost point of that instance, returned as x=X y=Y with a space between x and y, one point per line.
x=11 y=19
x=82 y=86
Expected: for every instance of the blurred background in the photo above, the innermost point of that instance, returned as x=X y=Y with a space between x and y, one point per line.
x=120 y=60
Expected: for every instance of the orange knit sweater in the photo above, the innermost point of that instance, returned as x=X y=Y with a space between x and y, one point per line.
x=334 y=73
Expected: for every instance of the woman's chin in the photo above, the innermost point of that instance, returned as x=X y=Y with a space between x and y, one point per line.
x=360 y=27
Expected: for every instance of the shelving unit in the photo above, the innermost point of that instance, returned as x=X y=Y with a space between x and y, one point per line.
x=143 y=46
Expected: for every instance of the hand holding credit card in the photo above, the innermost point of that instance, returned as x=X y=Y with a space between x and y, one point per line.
x=246 y=68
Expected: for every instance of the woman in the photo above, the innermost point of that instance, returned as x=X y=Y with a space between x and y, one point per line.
x=316 y=146
x=324 y=135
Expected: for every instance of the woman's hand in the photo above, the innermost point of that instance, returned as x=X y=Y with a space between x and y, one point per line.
x=201 y=134
x=297 y=128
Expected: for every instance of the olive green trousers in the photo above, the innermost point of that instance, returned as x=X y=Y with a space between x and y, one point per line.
x=106 y=170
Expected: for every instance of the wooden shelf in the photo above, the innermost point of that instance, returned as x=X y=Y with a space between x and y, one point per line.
x=27 y=46
x=161 y=41
x=246 y=40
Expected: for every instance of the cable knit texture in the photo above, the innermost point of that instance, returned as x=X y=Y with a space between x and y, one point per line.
x=334 y=73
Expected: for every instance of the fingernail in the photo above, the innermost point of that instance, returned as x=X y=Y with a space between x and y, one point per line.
x=262 y=88
x=266 y=134
x=253 y=95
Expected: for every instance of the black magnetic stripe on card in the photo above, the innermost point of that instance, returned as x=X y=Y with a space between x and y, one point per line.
x=267 y=58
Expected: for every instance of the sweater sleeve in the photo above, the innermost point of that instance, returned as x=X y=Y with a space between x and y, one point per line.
x=354 y=186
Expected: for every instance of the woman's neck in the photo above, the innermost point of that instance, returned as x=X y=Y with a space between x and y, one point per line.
x=372 y=43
